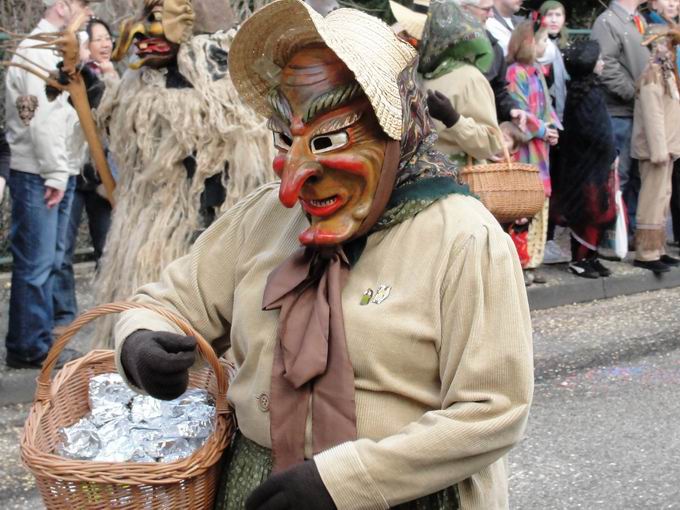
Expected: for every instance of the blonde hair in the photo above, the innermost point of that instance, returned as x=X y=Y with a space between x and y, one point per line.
x=521 y=48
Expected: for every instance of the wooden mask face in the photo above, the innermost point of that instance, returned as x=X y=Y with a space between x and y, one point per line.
x=147 y=33
x=330 y=145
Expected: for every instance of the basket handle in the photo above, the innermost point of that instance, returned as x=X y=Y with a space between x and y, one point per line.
x=44 y=380
x=506 y=152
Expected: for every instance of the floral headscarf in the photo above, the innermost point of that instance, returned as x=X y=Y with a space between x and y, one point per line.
x=425 y=175
x=452 y=38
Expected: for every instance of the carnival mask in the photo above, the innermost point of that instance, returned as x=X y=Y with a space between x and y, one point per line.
x=330 y=145
x=157 y=33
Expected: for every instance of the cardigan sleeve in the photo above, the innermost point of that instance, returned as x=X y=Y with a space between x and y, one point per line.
x=195 y=287
x=653 y=119
x=486 y=374
x=476 y=133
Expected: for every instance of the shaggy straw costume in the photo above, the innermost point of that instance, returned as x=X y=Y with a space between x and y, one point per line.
x=152 y=130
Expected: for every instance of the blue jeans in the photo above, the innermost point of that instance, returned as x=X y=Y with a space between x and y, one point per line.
x=629 y=173
x=98 y=212
x=37 y=242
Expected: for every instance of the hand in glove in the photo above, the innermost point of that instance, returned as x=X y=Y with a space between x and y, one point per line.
x=297 y=488
x=441 y=108
x=159 y=362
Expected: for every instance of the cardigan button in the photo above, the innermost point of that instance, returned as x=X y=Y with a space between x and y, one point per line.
x=263 y=402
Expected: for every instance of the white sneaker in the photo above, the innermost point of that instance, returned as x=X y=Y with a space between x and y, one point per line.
x=554 y=255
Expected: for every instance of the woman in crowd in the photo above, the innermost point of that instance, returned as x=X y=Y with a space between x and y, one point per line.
x=660 y=12
x=527 y=86
x=454 y=53
x=584 y=180
x=553 y=18
x=90 y=194
x=656 y=144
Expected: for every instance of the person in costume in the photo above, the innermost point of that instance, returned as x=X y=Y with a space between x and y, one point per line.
x=527 y=86
x=506 y=107
x=656 y=144
x=453 y=55
x=661 y=12
x=585 y=180
x=185 y=145
x=375 y=311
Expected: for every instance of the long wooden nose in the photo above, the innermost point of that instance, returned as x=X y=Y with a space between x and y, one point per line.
x=293 y=179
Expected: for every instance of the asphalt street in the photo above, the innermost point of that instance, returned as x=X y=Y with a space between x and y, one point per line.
x=603 y=432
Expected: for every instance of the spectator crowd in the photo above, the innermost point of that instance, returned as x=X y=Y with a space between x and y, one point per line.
x=598 y=117
x=595 y=116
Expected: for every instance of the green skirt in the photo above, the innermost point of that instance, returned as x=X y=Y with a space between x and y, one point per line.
x=247 y=465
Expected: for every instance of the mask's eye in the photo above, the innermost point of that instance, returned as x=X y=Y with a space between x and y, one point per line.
x=282 y=141
x=330 y=142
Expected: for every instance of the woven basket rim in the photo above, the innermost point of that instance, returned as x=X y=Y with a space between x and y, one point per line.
x=495 y=167
x=50 y=465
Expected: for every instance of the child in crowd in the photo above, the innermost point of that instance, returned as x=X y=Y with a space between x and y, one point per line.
x=584 y=180
x=527 y=86
x=656 y=143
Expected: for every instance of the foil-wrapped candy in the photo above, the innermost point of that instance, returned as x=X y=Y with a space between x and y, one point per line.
x=126 y=427
x=79 y=441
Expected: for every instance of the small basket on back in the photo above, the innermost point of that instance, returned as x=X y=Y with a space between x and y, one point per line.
x=67 y=484
x=508 y=189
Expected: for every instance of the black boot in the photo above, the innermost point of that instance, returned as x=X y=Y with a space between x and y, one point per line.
x=655 y=266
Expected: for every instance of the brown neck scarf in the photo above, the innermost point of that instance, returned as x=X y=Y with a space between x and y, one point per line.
x=310 y=357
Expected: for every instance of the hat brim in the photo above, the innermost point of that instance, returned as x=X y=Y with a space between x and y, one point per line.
x=412 y=22
x=365 y=44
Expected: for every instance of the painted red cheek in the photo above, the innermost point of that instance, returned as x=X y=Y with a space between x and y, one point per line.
x=278 y=164
x=345 y=163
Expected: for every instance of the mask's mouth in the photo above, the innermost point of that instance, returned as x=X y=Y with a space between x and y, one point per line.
x=152 y=47
x=323 y=207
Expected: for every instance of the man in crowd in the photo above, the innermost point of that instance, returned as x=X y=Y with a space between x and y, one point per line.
x=506 y=107
x=503 y=21
x=47 y=151
x=619 y=30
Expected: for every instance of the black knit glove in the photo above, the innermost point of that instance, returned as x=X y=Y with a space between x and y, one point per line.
x=297 y=488
x=159 y=362
x=441 y=108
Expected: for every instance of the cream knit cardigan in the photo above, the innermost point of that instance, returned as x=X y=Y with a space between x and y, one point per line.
x=443 y=366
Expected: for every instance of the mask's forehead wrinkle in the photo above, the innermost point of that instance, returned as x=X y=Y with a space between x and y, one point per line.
x=332 y=99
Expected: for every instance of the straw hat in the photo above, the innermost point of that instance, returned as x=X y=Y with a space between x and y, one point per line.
x=366 y=45
x=411 y=21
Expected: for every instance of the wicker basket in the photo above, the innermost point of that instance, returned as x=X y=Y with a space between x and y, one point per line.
x=67 y=484
x=510 y=190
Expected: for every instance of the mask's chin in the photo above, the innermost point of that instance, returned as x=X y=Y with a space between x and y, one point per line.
x=321 y=235
x=336 y=230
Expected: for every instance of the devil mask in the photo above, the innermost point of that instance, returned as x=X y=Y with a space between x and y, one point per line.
x=156 y=33
x=330 y=145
